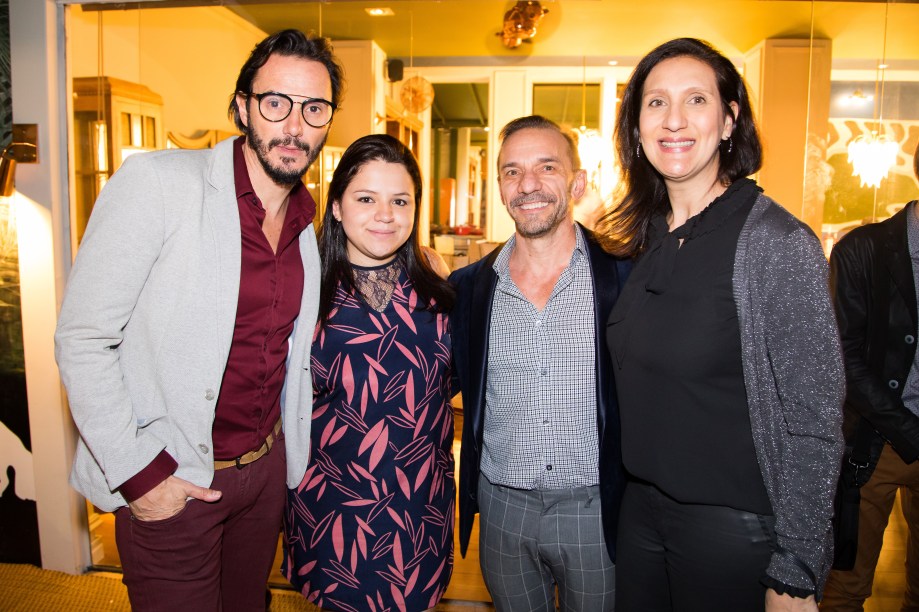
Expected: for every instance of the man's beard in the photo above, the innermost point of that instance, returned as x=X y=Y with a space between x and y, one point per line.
x=282 y=175
x=535 y=228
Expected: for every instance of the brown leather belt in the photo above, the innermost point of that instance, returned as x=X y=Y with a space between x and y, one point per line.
x=252 y=456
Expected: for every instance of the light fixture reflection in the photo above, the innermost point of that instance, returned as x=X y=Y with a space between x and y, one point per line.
x=872 y=156
x=856 y=98
x=591 y=149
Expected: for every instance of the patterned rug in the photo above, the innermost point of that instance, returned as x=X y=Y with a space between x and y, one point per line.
x=26 y=588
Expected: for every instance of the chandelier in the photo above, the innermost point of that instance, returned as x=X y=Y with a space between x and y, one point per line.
x=872 y=156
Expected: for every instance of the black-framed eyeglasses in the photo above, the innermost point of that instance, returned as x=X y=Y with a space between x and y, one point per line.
x=276 y=107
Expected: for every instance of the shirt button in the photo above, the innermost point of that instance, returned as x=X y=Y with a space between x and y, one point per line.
x=538 y=322
x=544 y=371
x=545 y=421
x=209 y=395
x=909 y=339
x=203 y=448
x=549 y=468
x=893 y=384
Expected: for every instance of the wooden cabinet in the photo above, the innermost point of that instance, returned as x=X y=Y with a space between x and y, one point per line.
x=404 y=127
x=112 y=119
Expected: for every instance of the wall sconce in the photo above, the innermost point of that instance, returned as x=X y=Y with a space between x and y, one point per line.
x=23 y=149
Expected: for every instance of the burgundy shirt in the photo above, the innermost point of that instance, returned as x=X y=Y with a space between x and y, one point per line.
x=270 y=292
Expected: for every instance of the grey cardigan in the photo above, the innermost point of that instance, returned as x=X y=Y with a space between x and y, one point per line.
x=147 y=322
x=795 y=383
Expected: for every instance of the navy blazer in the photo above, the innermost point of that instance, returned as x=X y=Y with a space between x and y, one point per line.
x=471 y=320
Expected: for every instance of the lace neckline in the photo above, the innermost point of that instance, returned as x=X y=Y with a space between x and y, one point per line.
x=376 y=284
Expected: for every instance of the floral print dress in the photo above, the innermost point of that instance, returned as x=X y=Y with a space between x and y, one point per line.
x=370 y=527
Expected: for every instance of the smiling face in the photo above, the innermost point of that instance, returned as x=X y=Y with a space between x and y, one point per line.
x=537 y=181
x=682 y=122
x=285 y=149
x=377 y=212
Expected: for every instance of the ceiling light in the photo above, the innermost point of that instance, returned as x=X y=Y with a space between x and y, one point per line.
x=883 y=66
x=380 y=12
x=613 y=62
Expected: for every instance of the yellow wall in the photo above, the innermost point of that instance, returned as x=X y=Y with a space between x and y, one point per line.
x=177 y=53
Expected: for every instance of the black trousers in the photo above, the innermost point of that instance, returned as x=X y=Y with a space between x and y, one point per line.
x=689 y=557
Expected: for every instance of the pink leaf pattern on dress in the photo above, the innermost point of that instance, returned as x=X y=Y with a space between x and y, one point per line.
x=379 y=447
x=374 y=384
x=405 y=316
x=397 y=595
x=370 y=527
x=371 y=437
x=347 y=379
x=338 y=540
x=403 y=483
x=408 y=354
x=363 y=338
x=327 y=433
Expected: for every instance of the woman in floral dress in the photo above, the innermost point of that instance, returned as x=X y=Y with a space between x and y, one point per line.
x=370 y=526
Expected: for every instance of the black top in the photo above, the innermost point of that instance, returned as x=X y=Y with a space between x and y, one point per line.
x=675 y=341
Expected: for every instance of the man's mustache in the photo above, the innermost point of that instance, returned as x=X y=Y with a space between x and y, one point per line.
x=289 y=142
x=529 y=198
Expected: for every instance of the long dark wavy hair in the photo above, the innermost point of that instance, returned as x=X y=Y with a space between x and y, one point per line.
x=916 y=163
x=289 y=43
x=333 y=244
x=643 y=195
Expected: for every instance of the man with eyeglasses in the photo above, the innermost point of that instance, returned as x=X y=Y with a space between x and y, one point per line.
x=184 y=339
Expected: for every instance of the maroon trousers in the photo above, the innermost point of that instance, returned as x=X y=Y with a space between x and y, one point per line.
x=209 y=556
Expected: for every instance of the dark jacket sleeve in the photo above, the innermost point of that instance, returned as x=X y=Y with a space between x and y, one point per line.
x=464 y=280
x=868 y=391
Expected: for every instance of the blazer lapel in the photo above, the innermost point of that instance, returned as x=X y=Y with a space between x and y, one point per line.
x=223 y=214
x=605 y=276
x=898 y=260
x=483 y=294
x=606 y=279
